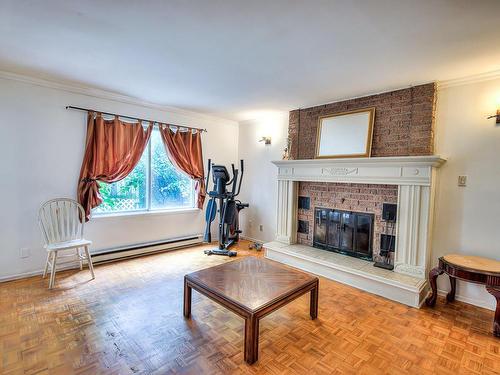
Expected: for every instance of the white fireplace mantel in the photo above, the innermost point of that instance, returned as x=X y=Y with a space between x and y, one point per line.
x=400 y=170
x=415 y=177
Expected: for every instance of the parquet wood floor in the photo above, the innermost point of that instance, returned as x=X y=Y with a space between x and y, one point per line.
x=129 y=321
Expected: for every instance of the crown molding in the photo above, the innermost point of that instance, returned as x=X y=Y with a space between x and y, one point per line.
x=109 y=95
x=467 y=80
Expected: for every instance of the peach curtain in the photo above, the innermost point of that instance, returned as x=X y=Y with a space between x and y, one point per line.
x=184 y=151
x=113 y=149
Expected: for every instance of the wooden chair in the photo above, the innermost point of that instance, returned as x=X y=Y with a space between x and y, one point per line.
x=62 y=228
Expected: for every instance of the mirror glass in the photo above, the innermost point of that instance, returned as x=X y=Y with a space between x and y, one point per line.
x=346 y=134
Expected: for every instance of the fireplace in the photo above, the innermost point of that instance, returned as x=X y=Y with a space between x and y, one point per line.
x=345 y=232
x=413 y=178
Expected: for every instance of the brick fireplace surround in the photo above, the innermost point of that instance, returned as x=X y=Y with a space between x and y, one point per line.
x=349 y=197
x=401 y=170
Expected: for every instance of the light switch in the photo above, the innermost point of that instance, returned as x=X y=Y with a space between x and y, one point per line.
x=462 y=180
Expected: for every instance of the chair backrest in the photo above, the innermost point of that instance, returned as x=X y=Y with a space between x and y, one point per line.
x=61 y=219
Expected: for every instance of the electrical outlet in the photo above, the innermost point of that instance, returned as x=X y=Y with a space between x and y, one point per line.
x=462 y=180
x=24 y=252
x=261 y=227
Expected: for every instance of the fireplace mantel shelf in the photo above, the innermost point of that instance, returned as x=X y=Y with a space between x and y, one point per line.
x=401 y=170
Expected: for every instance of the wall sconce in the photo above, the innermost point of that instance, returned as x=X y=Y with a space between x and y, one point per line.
x=266 y=140
x=497 y=117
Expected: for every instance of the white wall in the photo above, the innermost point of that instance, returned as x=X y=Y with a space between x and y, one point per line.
x=467 y=219
x=259 y=184
x=41 y=148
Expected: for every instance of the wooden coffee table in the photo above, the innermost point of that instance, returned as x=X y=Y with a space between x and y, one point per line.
x=251 y=288
x=470 y=268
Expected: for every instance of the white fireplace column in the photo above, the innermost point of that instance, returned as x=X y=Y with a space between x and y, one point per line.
x=413 y=229
x=286 y=225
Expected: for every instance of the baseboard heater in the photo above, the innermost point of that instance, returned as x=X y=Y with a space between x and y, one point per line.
x=139 y=249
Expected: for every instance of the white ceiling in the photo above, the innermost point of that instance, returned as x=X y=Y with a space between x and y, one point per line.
x=233 y=58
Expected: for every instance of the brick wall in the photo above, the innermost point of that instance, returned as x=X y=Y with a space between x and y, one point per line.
x=349 y=197
x=404 y=121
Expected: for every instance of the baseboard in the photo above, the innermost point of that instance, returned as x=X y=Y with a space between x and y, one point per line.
x=132 y=251
x=470 y=301
x=251 y=239
x=121 y=253
x=18 y=276
x=25 y=275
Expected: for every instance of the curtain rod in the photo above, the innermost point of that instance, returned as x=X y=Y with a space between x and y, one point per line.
x=134 y=118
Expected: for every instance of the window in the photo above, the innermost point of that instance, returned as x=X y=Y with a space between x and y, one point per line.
x=154 y=184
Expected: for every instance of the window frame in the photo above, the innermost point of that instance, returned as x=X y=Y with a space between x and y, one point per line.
x=148 y=210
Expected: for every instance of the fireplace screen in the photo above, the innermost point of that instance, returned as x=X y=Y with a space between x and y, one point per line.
x=344 y=232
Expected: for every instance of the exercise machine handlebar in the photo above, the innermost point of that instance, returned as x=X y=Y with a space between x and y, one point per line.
x=241 y=177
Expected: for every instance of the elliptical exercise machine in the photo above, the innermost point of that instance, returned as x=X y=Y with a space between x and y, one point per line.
x=229 y=208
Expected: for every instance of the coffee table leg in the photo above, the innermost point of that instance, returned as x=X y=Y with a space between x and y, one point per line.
x=450 y=297
x=251 y=339
x=433 y=274
x=495 y=292
x=313 y=306
x=187 y=299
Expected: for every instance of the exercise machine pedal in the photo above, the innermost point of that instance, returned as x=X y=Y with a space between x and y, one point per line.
x=225 y=252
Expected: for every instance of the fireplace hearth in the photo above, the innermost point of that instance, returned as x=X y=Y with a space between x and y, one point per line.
x=345 y=232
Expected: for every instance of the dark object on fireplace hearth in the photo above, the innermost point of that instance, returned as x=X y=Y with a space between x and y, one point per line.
x=303 y=227
x=389 y=212
x=384 y=265
x=344 y=232
x=387 y=246
x=304 y=203
x=387 y=243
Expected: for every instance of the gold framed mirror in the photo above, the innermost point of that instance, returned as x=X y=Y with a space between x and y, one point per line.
x=345 y=135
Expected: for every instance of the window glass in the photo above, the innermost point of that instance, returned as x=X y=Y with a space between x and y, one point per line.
x=154 y=184
x=170 y=188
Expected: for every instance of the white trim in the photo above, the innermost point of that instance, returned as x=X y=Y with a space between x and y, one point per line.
x=18 y=276
x=24 y=275
x=106 y=255
x=145 y=249
x=134 y=246
x=440 y=84
x=425 y=160
x=470 y=301
x=99 y=216
x=401 y=170
x=110 y=95
x=475 y=78
x=252 y=239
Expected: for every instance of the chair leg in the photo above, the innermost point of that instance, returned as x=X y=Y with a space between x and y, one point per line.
x=46 y=264
x=78 y=254
x=53 y=270
x=89 y=260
